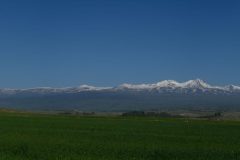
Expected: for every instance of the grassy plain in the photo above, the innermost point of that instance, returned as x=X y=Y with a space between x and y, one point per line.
x=26 y=136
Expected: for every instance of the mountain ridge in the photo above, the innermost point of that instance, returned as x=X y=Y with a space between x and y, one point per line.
x=167 y=94
x=196 y=84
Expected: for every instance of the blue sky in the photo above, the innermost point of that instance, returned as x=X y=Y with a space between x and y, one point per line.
x=106 y=43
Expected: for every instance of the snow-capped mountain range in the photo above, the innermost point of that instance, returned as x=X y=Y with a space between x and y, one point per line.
x=167 y=94
x=171 y=84
x=166 y=85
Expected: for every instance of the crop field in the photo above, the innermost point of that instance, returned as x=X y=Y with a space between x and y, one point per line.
x=25 y=136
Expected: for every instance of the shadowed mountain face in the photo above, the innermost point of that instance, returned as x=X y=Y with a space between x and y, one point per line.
x=169 y=94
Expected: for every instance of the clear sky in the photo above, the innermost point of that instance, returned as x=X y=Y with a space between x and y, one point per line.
x=107 y=42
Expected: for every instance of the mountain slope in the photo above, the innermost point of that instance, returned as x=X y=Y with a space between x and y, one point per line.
x=168 y=94
x=171 y=85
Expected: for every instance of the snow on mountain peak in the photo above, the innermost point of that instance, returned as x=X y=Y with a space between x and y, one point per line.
x=135 y=86
x=167 y=83
x=198 y=83
x=194 y=84
x=86 y=87
x=232 y=88
x=92 y=88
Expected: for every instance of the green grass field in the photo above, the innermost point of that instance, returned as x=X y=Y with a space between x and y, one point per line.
x=57 y=137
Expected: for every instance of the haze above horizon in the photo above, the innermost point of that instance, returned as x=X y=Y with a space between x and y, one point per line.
x=68 y=43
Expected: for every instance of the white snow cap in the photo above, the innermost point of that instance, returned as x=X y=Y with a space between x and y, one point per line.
x=92 y=88
x=169 y=84
x=192 y=84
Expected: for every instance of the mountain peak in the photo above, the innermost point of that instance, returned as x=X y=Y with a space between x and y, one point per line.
x=191 y=84
x=232 y=88
x=91 y=88
x=167 y=83
x=197 y=83
x=85 y=86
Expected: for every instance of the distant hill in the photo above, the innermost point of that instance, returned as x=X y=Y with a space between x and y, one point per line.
x=169 y=94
